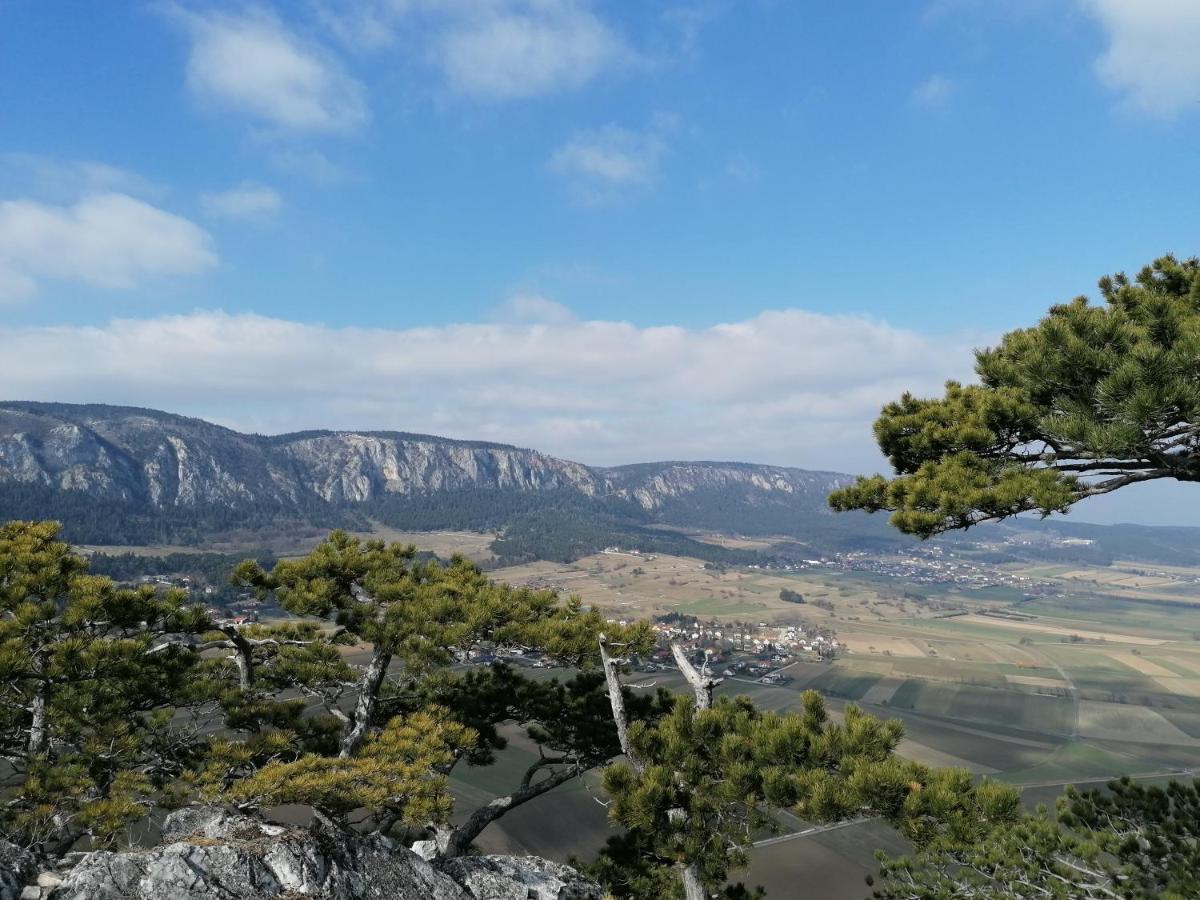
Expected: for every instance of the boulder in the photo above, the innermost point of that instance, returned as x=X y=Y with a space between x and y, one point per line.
x=519 y=878
x=17 y=868
x=220 y=855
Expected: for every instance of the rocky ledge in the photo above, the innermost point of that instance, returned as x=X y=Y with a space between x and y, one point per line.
x=218 y=855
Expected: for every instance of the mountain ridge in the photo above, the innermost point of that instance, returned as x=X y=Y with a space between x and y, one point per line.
x=159 y=465
x=131 y=475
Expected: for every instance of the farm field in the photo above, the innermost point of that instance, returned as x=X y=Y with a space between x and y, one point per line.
x=1049 y=687
x=648 y=585
x=295 y=541
x=572 y=822
x=472 y=544
x=1092 y=687
x=1126 y=579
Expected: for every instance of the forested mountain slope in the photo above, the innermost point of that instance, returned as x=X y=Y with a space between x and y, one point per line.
x=124 y=474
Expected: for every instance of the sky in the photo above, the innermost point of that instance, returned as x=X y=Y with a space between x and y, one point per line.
x=614 y=231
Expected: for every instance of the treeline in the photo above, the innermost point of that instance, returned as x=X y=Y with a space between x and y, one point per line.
x=565 y=535
x=89 y=520
x=205 y=569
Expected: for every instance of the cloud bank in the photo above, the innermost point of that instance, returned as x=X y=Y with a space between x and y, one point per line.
x=786 y=387
x=108 y=240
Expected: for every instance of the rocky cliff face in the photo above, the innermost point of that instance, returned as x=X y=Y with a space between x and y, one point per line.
x=653 y=485
x=209 y=853
x=167 y=462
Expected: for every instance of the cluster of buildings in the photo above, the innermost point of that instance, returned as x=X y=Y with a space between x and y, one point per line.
x=932 y=564
x=758 y=653
x=183 y=582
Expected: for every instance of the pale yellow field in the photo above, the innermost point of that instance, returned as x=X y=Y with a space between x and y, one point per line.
x=993 y=622
x=653 y=585
x=471 y=544
x=883 y=690
x=737 y=543
x=1120 y=722
x=1035 y=681
x=1126 y=580
x=864 y=642
x=1145 y=666
x=1118 y=578
x=1189 y=661
x=1188 y=687
x=1134 y=565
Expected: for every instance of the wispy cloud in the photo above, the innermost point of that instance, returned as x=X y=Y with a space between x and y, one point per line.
x=1153 y=54
x=61 y=180
x=935 y=90
x=108 y=240
x=491 y=50
x=252 y=64
x=311 y=165
x=787 y=386
x=533 y=308
x=604 y=164
x=246 y=201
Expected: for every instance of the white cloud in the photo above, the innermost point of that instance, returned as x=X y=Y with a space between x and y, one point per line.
x=248 y=200
x=511 y=50
x=1153 y=55
x=933 y=91
x=788 y=387
x=254 y=65
x=603 y=163
x=107 y=240
x=491 y=49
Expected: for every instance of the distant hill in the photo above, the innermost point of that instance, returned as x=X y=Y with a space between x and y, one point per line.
x=126 y=475
x=122 y=475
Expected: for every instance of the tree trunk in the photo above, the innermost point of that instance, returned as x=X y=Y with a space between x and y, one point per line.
x=368 y=693
x=243 y=657
x=39 y=709
x=616 y=699
x=701 y=684
x=456 y=841
x=693 y=887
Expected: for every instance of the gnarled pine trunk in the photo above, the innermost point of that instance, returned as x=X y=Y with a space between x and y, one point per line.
x=368 y=695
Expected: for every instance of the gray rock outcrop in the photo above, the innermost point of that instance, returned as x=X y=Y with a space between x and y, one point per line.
x=218 y=855
x=16 y=869
x=519 y=878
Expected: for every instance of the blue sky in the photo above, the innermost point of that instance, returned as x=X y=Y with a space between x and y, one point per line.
x=612 y=230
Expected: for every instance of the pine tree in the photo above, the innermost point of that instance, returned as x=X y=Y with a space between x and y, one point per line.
x=697 y=785
x=1090 y=400
x=1127 y=841
x=87 y=712
x=420 y=617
